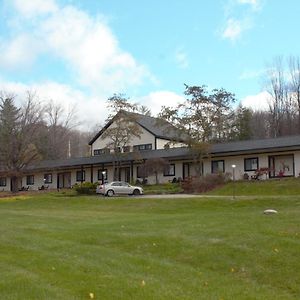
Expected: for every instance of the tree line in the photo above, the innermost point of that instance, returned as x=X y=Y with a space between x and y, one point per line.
x=33 y=131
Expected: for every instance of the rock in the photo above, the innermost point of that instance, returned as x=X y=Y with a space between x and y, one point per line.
x=270 y=211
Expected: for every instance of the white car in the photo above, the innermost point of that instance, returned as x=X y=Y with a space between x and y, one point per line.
x=118 y=187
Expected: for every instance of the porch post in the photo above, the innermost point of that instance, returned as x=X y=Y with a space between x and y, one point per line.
x=131 y=171
x=92 y=174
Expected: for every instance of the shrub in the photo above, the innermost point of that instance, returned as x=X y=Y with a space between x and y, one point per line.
x=204 y=183
x=85 y=188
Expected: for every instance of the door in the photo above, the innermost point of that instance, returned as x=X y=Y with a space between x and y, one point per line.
x=125 y=174
x=185 y=170
x=64 y=180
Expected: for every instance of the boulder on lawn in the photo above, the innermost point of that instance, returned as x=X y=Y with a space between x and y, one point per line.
x=270 y=211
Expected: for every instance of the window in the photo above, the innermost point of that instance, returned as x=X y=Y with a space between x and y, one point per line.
x=2 y=181
x=251 y=164
x=80 y=176
x=101 y=151
x=30 y=179
x=217 y=166
x=170 y=170
x=142 y=147
x=48 y=178
x=100 y=174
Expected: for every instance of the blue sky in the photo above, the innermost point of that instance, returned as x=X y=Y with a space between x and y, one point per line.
x=81 y=52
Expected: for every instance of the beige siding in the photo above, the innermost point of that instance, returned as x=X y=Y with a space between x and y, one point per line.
x=145 y=138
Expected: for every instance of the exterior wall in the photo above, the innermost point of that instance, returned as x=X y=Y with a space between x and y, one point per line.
x=160 y=144
x=238 y=161
x=39 y=181
x=145 y=138
x=263 y=161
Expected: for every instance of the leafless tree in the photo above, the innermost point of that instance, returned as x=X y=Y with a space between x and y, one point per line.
x=60 y=124
x=294 y=66
x=277 y=89
x=19 y=131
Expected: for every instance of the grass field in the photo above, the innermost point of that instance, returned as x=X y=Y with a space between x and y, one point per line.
x=274 y=187
x=60 y=246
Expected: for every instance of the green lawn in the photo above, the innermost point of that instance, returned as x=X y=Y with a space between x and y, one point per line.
x=274 y=187
x=60 y=246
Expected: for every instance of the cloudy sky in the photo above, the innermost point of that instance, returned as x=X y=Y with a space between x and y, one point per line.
x=81 y=52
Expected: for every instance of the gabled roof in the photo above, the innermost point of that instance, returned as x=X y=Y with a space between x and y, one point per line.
x=156 y=126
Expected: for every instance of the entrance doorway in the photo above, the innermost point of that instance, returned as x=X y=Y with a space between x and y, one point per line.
x=185 y=170
x=125 y=174
x=281 y=165
x=64 y=180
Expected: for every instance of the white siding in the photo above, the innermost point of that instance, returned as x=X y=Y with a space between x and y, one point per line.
x=145 y=138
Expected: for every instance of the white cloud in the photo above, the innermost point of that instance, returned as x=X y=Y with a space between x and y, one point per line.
x=255 y=4
x=239 y=17
x=83 y=43
x=156 y=100
x=33 y=8
x=181 y=59
x=20 y=52
x=257 y=102
x=234 y=28
x=251 y=74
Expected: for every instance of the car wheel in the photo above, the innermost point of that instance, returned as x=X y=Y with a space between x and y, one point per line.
x=110 y=193
x=136 y=192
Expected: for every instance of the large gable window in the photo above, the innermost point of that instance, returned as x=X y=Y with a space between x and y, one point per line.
x=251 y=164
x=217 y=166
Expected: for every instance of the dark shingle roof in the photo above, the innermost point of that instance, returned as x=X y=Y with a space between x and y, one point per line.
x=158 y=127
x=233 y=148
x=287 y=142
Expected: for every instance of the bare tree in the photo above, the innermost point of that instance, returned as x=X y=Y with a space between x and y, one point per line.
x=60 y=123
x=277 y=89
x=294 y=66
x=123 y=127
x=154 y=166
x=19 y=128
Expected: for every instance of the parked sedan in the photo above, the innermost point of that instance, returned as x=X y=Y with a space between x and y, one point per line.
x=118 y=187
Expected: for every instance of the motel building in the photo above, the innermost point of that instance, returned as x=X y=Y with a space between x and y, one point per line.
x=279 y=157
